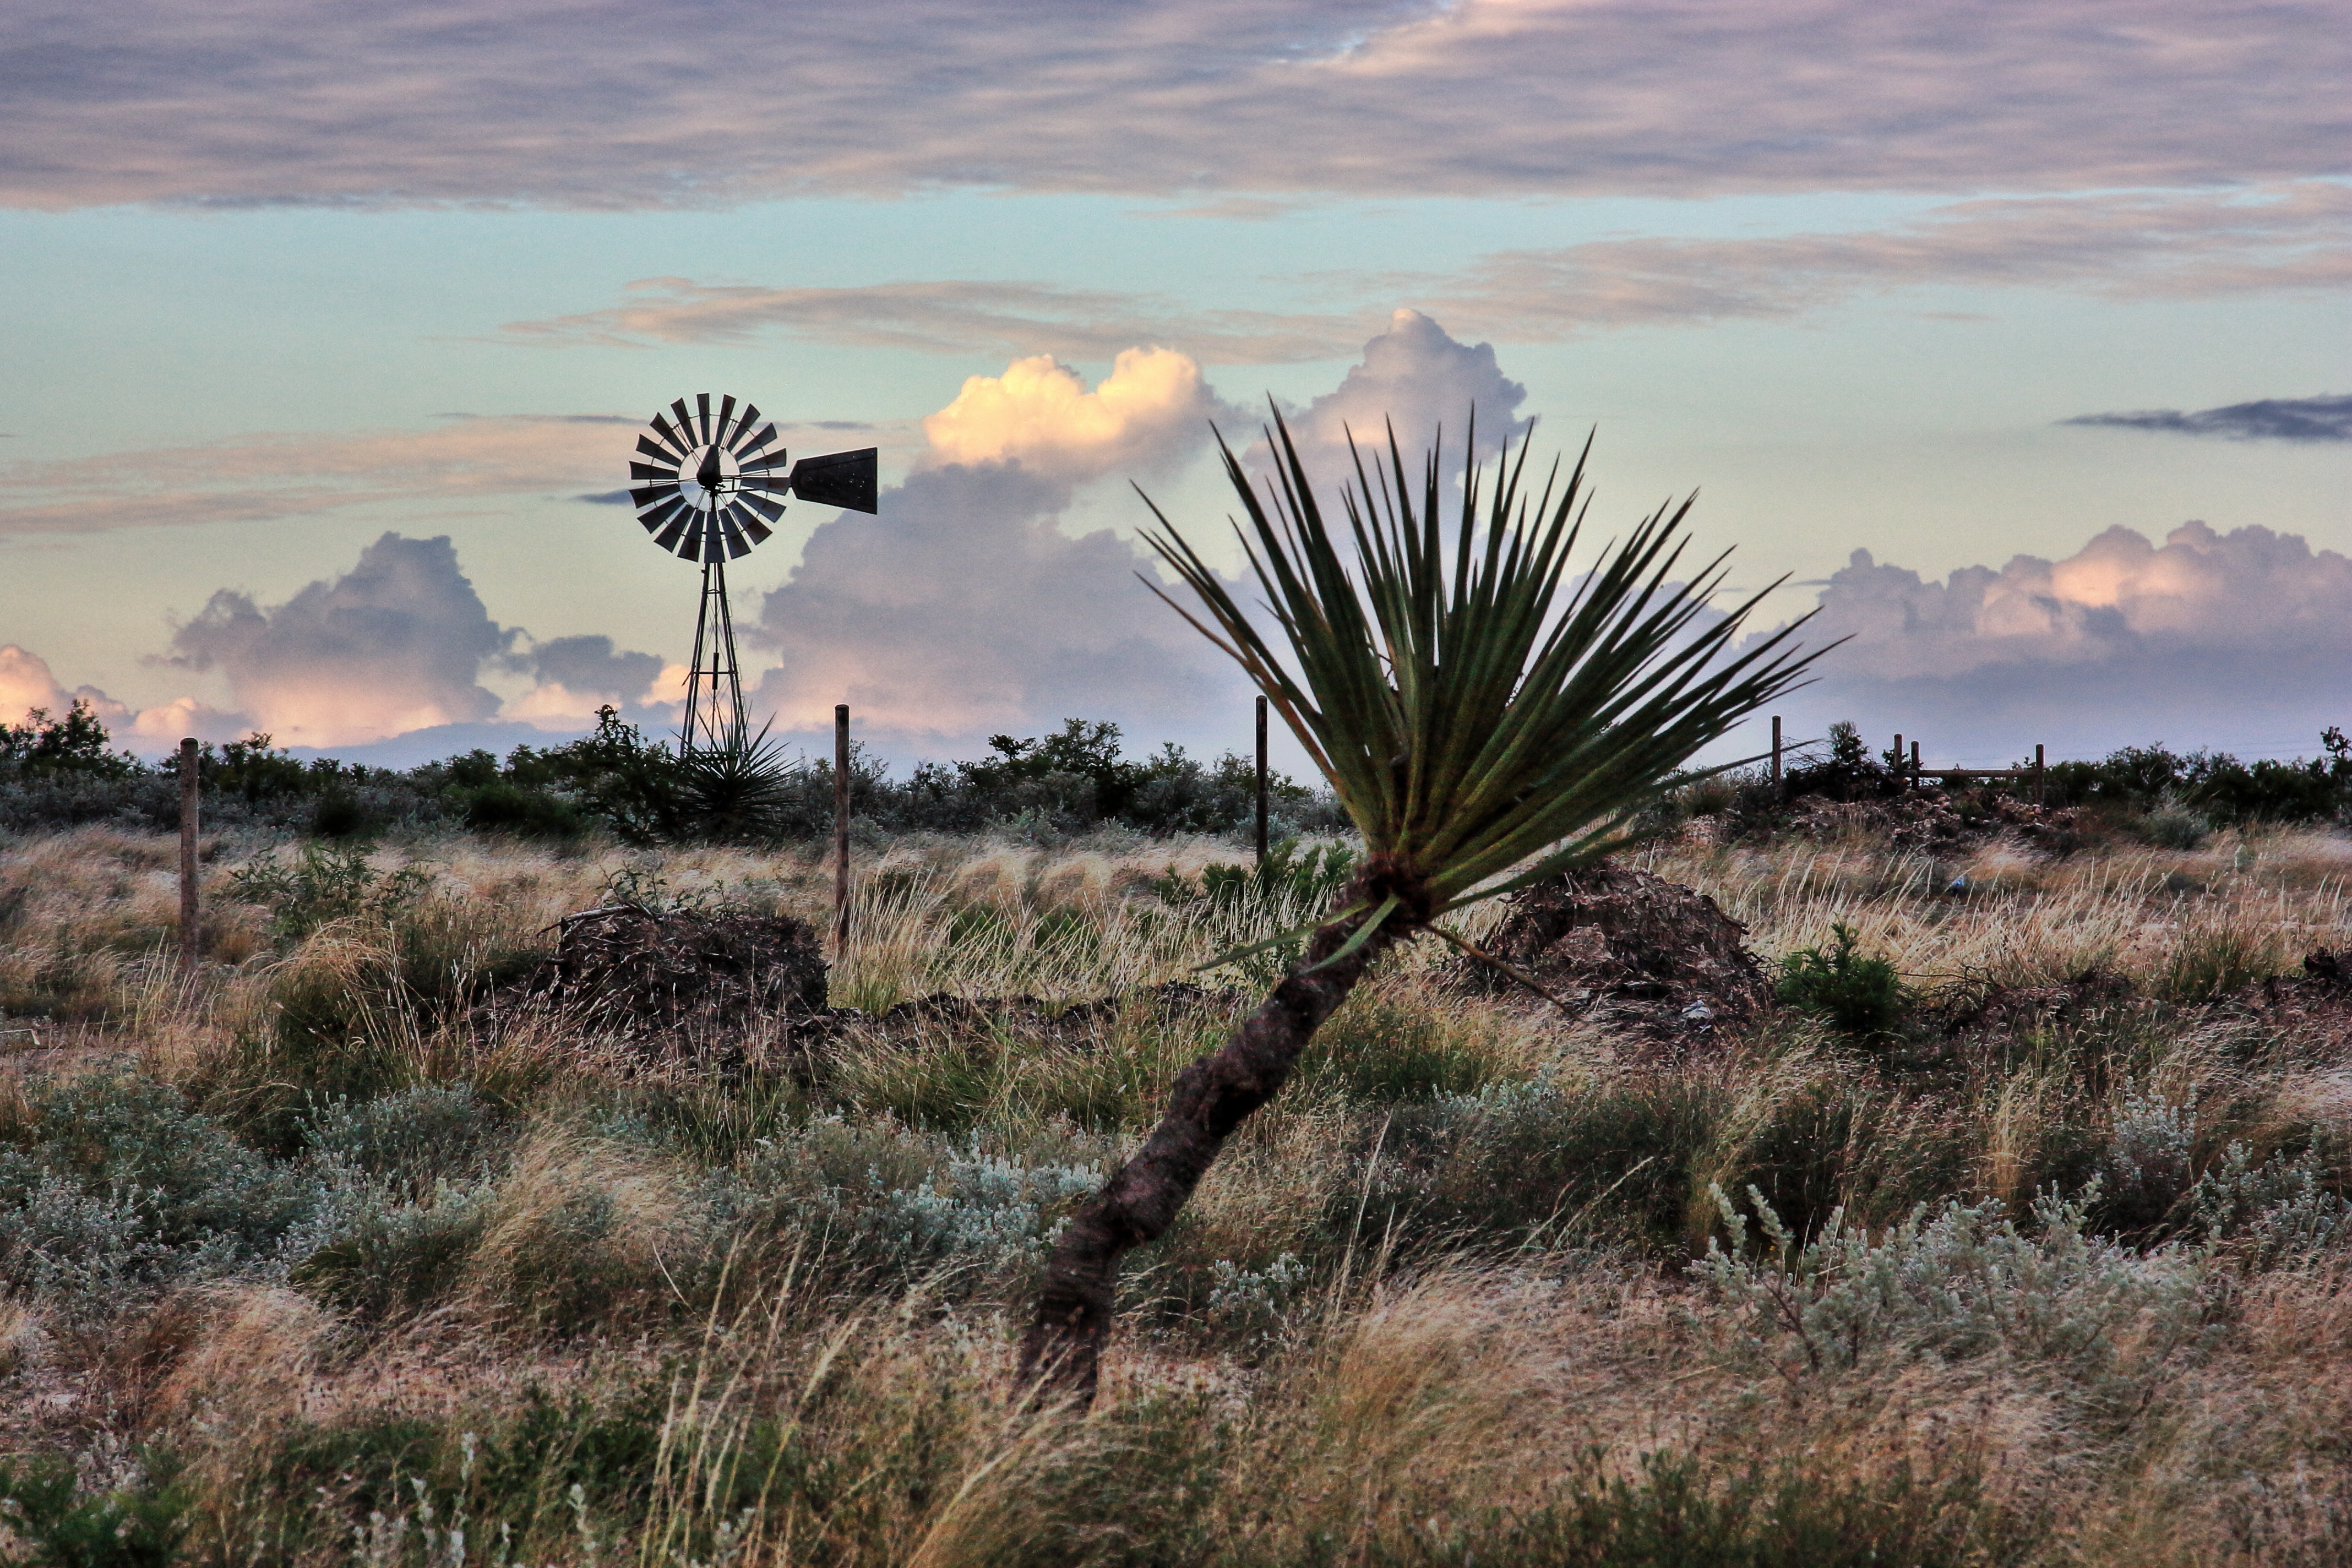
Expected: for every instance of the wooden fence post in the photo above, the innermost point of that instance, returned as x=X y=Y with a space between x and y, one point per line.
x=1261 y=778
x=2040 y=777
x=1914 y=765
x=192 y=935
x=1775 y=756
x=840 y=831
x=1898 y=759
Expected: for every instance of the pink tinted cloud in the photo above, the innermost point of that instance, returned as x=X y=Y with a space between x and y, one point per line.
x=600 y=103
x=2287 y=238
x=2239 y=637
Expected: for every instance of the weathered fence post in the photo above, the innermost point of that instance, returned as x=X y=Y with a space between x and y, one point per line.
x=2039 y=777
x=1261 y=778
x=1898 y=759
x=192 y=936
x=1775 y=756
x=840 y=831
x=1914 y=765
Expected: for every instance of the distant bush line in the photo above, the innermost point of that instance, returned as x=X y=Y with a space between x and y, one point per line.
x=61 y=773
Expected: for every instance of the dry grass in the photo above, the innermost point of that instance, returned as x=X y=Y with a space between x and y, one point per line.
x=1433 y=1307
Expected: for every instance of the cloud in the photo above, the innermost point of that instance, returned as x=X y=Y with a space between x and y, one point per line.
x=2284 y=239
x=596 y=103
x=575 y=676
x=962 y=610
x=944 y=316
x=2125 y=247
x=1152 y=409
x=28 y=684
x=265 y=476
x=2270 y=418
x=395 y=644
x=2238 y=639
x=1417 y=378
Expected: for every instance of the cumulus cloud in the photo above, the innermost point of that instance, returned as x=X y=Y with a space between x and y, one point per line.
x=1149 y=411
x=395 y=644
x=1417 y=378
x=962 y=610
x=28 y=685
x=575 y=676
x=2267 y=419
x=2239 y=638
x=598 y=103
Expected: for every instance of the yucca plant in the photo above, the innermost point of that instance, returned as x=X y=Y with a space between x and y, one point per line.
x=1485 y=718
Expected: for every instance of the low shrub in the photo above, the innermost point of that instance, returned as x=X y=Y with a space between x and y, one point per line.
x=110 y=1183
x=1853 y=994
x=142 y=1526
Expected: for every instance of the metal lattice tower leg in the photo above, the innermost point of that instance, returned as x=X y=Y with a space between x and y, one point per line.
x=714 y=691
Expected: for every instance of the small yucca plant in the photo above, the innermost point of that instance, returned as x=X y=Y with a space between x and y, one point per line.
x=1486 y=720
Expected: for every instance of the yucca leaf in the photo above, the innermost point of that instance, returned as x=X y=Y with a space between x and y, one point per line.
x=1486 y=717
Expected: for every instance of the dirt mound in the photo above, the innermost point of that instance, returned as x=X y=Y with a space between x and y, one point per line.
x=1630 y=948
x=1933 y=819
x=626 y=973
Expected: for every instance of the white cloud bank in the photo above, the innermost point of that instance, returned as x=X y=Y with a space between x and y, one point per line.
x=2240 y=639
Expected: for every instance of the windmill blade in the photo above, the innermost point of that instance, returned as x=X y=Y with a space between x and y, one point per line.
x=642 y=498
x=736 y=546
x=702 y=412
x=845 y=479
x=661 y=512
x=648 y=447
x=763 y=462
x=667 y=538
x=653 y=473
x=675 y=438
x=770 y=510
x=753 y=529
x=725 y=417
x=685 y=424
x=745 y=445
x=714 y=541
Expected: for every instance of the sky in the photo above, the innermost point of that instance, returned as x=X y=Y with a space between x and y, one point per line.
x=2010 y=340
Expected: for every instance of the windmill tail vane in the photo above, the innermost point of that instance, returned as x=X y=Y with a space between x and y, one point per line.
x=709 y=488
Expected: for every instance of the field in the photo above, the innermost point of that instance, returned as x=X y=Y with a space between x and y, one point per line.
x=323 y=1258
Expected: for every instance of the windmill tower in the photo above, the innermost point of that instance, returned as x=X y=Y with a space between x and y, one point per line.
x=709 y=489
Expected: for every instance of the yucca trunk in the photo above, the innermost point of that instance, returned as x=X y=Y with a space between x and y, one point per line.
x=1062 y=1353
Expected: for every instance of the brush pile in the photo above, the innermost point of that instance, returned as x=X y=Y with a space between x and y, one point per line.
x=627 y=973
x=1629 y=949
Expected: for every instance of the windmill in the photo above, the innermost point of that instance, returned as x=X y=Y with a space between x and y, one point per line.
x=708 y=489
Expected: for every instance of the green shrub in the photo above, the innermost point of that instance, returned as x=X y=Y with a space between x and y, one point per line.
x=139 y=1527
x=108 y=1182
x=411 y=1139
x=1959 y=1281
x=1853 y=994
x=502 y=805
x=388 y=1261
x=321 y=884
